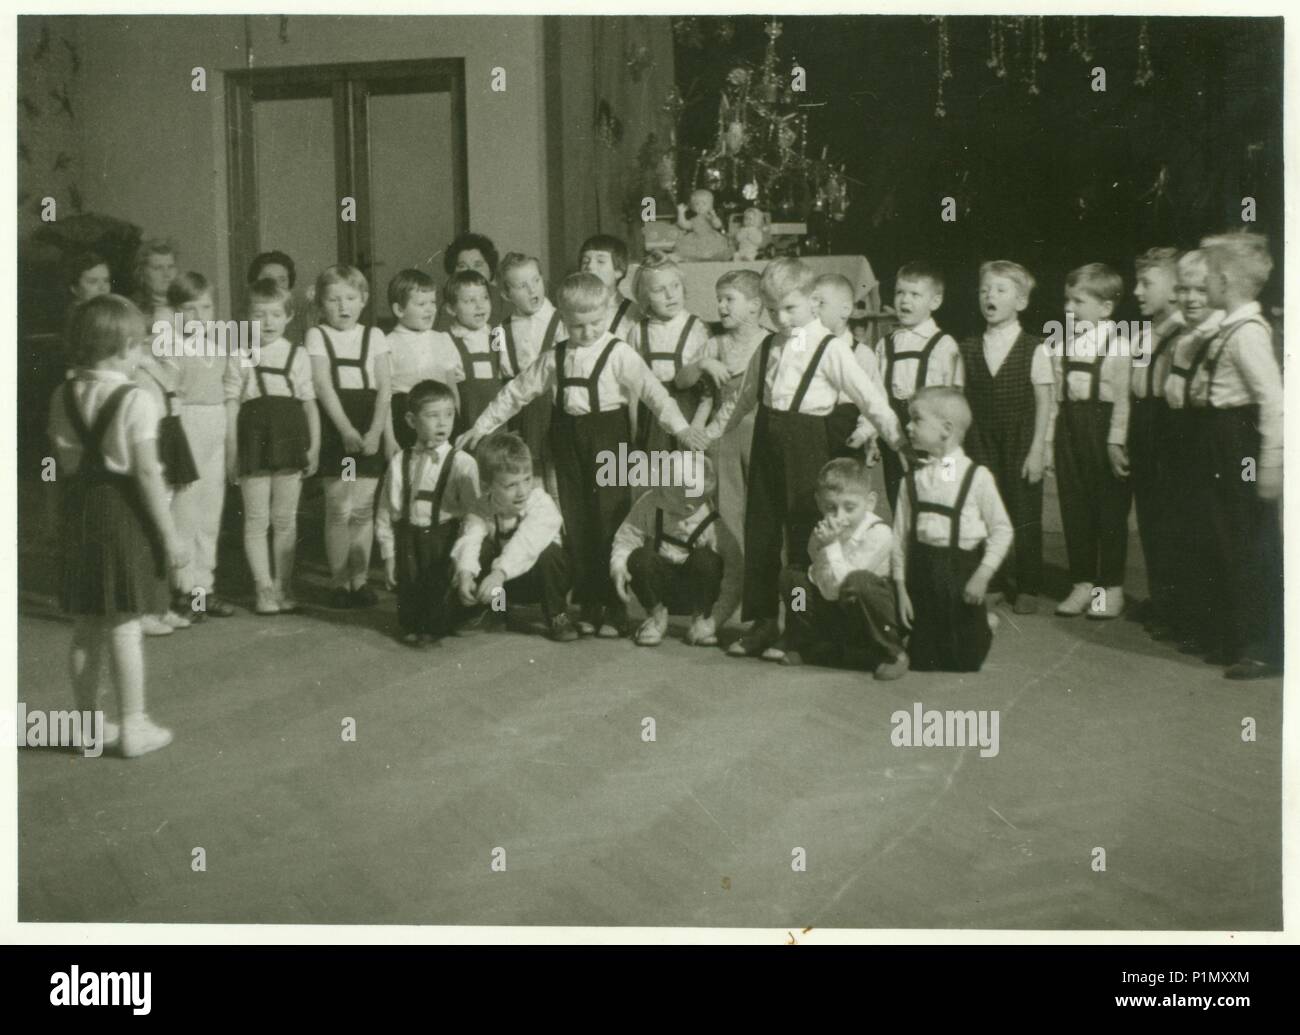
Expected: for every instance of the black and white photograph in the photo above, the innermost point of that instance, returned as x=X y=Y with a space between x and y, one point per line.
x=780 y=470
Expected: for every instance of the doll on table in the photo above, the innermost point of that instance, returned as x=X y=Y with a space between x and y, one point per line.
x=751 y=237
x=702 y=237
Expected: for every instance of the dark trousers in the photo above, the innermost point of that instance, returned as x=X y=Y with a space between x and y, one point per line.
x=592 y=512
x=890 y=459
x=1152 y=441
x=1004 y=451
x=691 y=587
x=780 y=506
x=1191 y=539
x=841 y=424
x=547 y=582
x=1094 y=503
x=948 y=634
x=1245 y=572
x=424 y=577
x=865 y=616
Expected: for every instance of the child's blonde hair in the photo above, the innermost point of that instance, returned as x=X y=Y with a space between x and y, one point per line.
x=839 y=283
x=503 y=453
x=1192 y=263
x=1157 y=258
x=949 y=403
x=268 y=292
x=1242 y=258
x=514 y=261
x=747 y=282
x=1013 y=271
x=582 y=293
x=657 y=263
x=340 y=274
x=101 y=328
x=1099 y=280
x=785 y=276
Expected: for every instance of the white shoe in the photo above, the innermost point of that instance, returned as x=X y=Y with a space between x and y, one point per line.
x=112 y=734
x=1078 y=601
x=703 y=632
x=141 y=734
x=175 y=619
x=152 y=625
x=1109 y=603
x=994 y=622
x=268 y=601
x=652 y=630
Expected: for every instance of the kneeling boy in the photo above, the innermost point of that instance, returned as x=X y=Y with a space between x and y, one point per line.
x=951 y=533
x=513 y=535
x=847 y=596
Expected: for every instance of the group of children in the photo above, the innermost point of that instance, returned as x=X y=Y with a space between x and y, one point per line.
x=474 y=439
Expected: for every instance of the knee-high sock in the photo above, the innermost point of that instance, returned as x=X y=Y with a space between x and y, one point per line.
x=286 y=487
x=256 y=490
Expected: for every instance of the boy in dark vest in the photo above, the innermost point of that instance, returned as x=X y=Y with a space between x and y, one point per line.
x=1009 y=383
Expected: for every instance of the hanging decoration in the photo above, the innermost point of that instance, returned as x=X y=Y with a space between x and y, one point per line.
x=945 y=66
x=1082 y=41
x=1144 y=72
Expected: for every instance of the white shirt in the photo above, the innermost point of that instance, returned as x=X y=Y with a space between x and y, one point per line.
x=240 y=380
x=1245 y=373
x=482 y=342
x=526 y=534
x=868 y=546
x=944 y=368
x=422 y=356
x=426 y=468
x=735 y=356
x=1152 y=366
x=998 y=344
x=136 y=420
x=663 y=338
x=1187 y=344
x=1113 y=386
x=528 y=334
x=347 y=345
x=983 y=517
x=625 y=378
x=788 y=358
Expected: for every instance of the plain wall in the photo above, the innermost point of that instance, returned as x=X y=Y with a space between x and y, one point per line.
x=154 y=151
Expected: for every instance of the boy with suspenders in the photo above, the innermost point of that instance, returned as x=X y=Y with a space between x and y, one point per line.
x=794 y=379
x=429 y=487
x=593 y=378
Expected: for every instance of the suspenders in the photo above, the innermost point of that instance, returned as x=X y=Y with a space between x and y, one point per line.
x=1188 y=373
x=259 y=371
x=923 y=357
x=433 y=496
x=335 y=362
x=662 y=537
x=1156 y=353
x=810 y=371
x=592 y=383
x=675 y=357
x=1212 y=362
x=169 y=397
x=491 y=357
x=92 y=437
x=618 y=316
x=512 y=353
x=953 y=513
x=1094 y=370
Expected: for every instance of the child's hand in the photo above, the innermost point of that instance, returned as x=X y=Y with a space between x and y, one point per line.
x=873 y=453
x=1269 y=483
x=177 y=558
x=906 y=615
x=976 y=587
x=352 y=440
x=623 y=586
x=232 y=465
x=370 y=443
x=825 y=533
x=491 y=583
x=716 y=371
x=313 y=462
x=465 y=588
x=391 y=448
x=1118 y=460
x=859 y=438
x=468 y=440
x=694 y=438
x=1032 y=469
x=390 y=572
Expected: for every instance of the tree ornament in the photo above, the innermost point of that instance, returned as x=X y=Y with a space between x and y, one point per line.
x=1144 y=71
